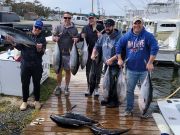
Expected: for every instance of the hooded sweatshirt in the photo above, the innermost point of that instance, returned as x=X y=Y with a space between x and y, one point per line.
x=106 y=45
x=138 y=49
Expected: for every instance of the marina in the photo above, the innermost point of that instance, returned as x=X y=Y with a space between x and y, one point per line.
x=162 y=18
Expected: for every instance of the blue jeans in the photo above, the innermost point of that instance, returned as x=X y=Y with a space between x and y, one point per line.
x=132 y=79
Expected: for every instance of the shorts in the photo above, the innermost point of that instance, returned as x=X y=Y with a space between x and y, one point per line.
x=65 y=62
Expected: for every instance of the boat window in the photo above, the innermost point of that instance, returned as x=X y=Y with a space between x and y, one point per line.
x=78 y=18
x=168 y=25
x=84 y=18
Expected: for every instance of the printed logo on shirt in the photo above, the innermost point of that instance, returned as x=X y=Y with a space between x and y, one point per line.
x=136 y=45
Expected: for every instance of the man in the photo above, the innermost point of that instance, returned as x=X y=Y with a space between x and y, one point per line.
x=106 y=44
x=141 y=49
x=65 y=35
x=31 y=64
x=91 y=32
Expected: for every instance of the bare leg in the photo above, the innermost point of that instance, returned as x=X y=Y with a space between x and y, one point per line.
x=59 y=78
x=67 y=77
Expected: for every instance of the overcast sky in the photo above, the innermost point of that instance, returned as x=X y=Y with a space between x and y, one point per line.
x=111 y=7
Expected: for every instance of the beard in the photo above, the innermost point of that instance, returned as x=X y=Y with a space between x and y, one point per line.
x=109 y=32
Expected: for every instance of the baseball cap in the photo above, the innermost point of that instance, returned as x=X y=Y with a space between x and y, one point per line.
x=38 y=23
x=137 y=18
x=91 y=15
x=109 y=22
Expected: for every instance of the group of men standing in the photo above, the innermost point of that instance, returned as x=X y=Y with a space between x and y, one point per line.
x=135 y=51
x=137 y=47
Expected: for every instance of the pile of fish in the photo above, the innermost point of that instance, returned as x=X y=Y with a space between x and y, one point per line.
x=146 y=94
x=19 y=36
x=74 y=120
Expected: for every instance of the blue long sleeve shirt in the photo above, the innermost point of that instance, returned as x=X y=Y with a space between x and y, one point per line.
x=138 y=48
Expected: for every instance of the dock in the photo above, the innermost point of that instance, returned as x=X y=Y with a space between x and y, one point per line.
x=91 y=107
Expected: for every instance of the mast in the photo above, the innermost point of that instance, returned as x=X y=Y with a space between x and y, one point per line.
x=92 y=6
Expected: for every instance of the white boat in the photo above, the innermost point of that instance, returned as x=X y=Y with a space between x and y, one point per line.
x=162 y=18
x=170 y=110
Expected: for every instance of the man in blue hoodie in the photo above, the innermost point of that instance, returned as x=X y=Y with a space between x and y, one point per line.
x=106 y=44
x=141 y=49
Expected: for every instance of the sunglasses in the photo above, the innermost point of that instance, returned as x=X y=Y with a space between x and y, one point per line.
x=67 y=18
x=39 y=28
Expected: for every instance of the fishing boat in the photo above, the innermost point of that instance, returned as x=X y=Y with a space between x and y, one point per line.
x=162 y=18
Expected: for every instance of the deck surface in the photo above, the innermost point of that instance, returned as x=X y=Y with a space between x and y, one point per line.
x=89 y=107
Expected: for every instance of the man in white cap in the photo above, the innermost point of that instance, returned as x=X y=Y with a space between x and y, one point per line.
x=141 y=50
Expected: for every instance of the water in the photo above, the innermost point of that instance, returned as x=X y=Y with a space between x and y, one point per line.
x=165 y=81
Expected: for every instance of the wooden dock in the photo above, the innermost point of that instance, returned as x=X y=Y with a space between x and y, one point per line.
x=89 y=107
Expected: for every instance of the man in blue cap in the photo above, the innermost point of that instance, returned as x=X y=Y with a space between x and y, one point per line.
x=31 y=64
x=91 y=33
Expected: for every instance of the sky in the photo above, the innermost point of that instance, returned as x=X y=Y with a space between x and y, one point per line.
x=110 y=7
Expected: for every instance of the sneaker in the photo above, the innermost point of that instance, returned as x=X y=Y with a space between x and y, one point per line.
x=23 y=106
x=104 y=102
x=127 y=114
x=66 y=91
x=96 y=92
x=37 y=105
x=112 y=105
x=57 y=91
x=87 y=93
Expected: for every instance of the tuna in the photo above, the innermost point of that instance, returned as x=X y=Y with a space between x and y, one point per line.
x=121 y=86
x=74 y=60
x=57 y=59
x=106 y=84
x=79 y=117
x=68 y=122
x=146 y=94
x=104 y=131
x=84 y=55
x=19 y=36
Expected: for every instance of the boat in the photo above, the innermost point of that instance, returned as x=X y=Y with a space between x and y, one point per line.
x=162 y=18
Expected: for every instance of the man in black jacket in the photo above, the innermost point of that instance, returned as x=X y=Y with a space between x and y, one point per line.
x=31 y=64
x=90 y=33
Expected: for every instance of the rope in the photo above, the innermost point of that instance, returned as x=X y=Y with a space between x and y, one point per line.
x=173 y=93
x=166 y=98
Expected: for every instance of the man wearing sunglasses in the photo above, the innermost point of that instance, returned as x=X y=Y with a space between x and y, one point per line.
x=91 y=32
x=141 y=49
x=31 y=64
x=65 y=35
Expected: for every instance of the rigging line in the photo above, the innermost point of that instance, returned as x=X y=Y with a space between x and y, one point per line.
x=117 y=4
x=132 y=5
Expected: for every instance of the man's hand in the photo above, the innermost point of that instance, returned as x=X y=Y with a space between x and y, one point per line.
x=109 y=62
x=10 y=39
x=39 y=47
x=83 y=35
x=75 y=40
x=150 y=67
x=120 y=62
x=56 y=38
x=93 y=56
